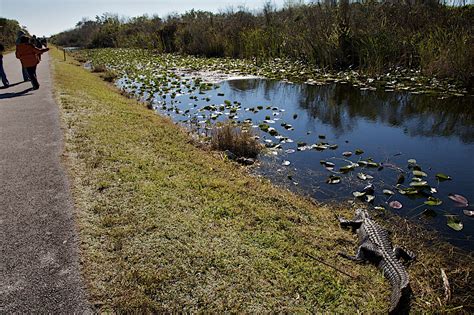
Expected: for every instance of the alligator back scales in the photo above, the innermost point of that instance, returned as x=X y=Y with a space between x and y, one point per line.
x=375 y=247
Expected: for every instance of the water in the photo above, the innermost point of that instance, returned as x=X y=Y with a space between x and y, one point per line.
x=390 y=127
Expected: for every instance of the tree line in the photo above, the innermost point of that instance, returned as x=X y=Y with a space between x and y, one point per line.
x=8 y=31
x=370 y=36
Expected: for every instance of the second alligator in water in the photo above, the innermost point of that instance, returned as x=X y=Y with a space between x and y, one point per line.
x=375 y=247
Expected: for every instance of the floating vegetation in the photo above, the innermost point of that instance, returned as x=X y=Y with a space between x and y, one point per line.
x=454 y=222
x=188 y=89
x=395 y=204
x=460 y=201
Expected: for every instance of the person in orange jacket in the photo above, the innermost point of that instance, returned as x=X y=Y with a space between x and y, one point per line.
x=29 y=57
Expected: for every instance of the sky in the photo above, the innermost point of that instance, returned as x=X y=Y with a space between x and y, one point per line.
x=48 y=17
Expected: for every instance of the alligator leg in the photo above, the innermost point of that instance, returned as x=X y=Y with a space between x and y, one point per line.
x=366 y=251
x=354 y=224
x=403 y=254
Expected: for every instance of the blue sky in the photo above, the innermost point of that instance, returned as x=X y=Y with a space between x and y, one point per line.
x=47 y=17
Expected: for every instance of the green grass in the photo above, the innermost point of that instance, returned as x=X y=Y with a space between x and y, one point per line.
x=165 y=226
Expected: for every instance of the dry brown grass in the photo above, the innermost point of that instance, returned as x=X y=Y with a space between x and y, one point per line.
x=237 y=139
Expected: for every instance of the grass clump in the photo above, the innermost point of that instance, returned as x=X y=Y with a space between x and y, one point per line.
x=109 y=76
x=99 y=68
x=167 y=227
x=238 y=140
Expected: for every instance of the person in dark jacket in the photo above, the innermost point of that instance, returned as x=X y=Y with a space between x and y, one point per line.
x=3 y=76
x=29 y=57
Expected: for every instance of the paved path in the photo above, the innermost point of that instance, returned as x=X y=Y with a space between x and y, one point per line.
x=39 y=269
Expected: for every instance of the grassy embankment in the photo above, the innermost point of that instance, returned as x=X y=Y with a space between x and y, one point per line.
x=167 y=226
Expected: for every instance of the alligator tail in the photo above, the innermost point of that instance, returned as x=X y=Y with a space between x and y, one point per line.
x=399 y=299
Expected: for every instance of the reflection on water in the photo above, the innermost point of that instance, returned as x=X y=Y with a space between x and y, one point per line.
x=343 y=105
x=390 y=127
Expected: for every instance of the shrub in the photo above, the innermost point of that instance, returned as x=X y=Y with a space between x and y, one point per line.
x=236 y=139
x=99 y=68
x=109 y=76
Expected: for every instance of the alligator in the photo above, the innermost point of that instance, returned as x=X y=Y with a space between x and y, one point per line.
x=375 y=247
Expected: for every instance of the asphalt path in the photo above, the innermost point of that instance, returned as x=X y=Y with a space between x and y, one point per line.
x=39 y=264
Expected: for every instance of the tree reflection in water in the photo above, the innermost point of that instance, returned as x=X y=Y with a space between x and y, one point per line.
x=342 y=106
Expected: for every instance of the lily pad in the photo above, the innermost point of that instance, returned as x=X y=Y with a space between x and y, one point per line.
x=422 y=183
x=419 y=173
x=328 y=164
x=264 y=127
x=469 y=213
x=380 y=208
x=432 y=201
x=369 y=198
x=388 y=192
x=358 y=194
x=454 y=222
x=333 y=179
x=442 y=177
x=359 y=151
x=346 y=168
x=347 y=153
x=363 y=176
x=395 y=204
x=460 y=201
x=272 y=131
x=412 y=161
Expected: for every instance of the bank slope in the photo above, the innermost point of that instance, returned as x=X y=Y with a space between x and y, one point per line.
x=166 y=226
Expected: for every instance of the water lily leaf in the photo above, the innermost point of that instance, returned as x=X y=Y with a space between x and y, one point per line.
x=264 y=127
x=379 y=208
x=329 y=164
x=290 y=151
x=395 y=204
x=347 y=153
x=454 y=222
x=286 y=163
x=319 y=147
x=419 y=173
x=369 y=198
x=362 y=176
x=359 y=151
x=358 y=194
x=432 y=201
x=408 y=191
x=441 y=177
x=412 y=161
x=333 y=179
x=422 y=183
x=372 y=164
x=388 y=192
x=272 y=131
x=346 y=168
x=469 y=213
x=333 y=146
x=461 y=201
